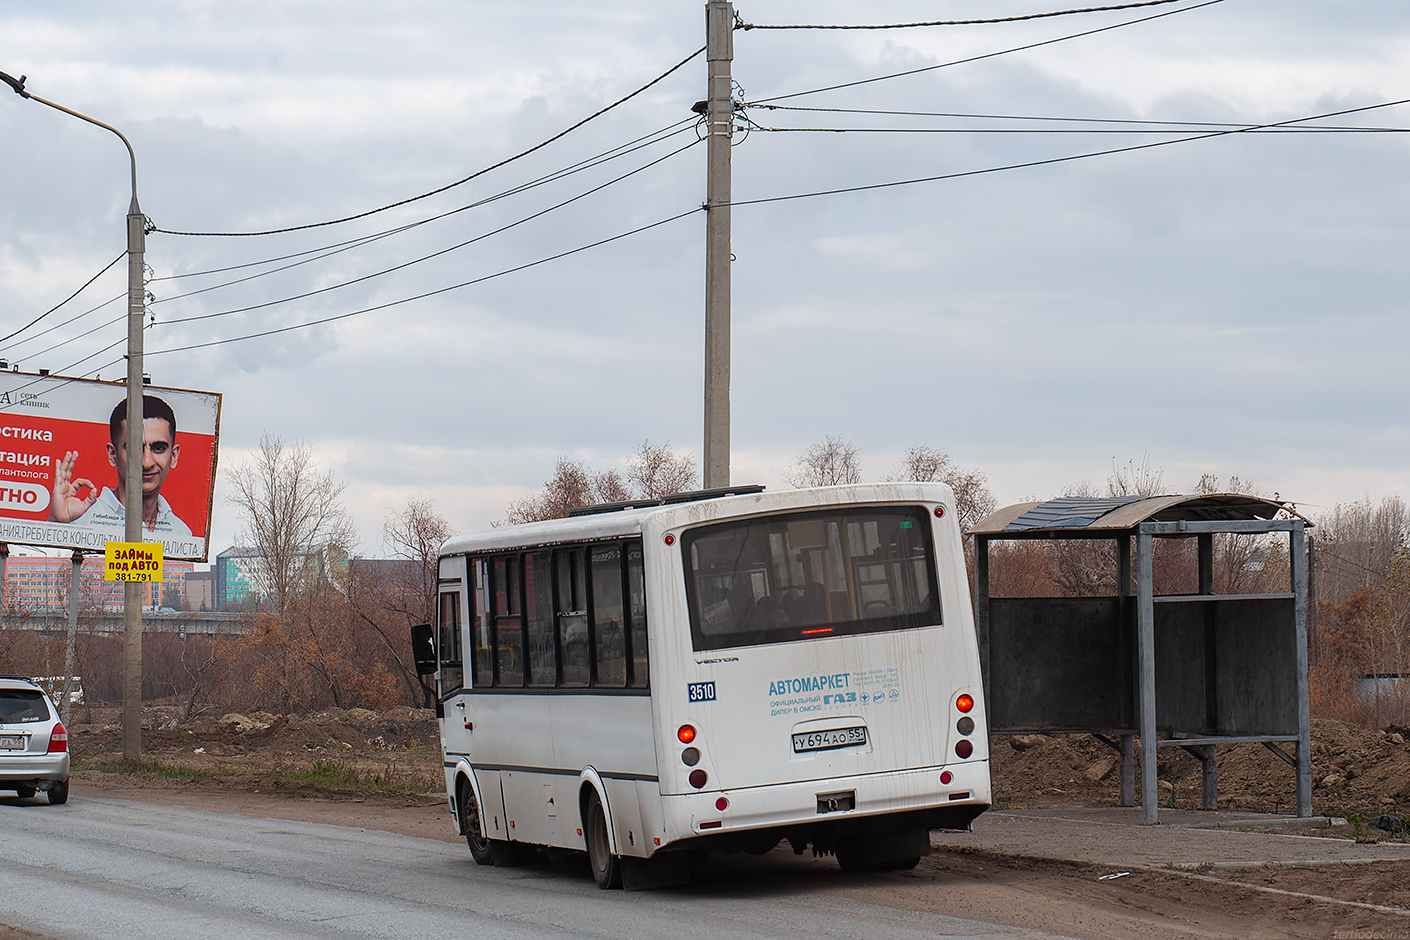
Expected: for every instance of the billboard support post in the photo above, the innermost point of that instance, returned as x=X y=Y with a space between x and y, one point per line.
x=132 y=498
x=66 y=709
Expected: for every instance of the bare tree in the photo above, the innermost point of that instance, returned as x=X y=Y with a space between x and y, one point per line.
x=415 y=534
x=924 y=463
x=292 y=515
x=652 y=472
x=1135 y=479
x=830 y=461
x=655 y=471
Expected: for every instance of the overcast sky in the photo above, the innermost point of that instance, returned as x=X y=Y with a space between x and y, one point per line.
x=1233 y=305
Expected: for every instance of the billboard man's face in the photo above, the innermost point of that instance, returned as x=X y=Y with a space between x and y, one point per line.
x=159 y=455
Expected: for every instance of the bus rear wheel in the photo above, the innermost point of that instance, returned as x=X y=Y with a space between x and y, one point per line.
x=606 y=867
x=470 y=825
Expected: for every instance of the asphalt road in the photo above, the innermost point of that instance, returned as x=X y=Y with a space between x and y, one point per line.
x=100 y=868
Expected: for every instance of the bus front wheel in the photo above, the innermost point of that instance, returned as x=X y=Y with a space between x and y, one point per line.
x=606 y=867
x=470 y=825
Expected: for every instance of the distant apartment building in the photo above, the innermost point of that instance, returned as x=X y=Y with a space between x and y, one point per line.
x=234 y=577
x=42 y=584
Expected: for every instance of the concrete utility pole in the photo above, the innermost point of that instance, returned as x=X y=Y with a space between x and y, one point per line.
x=719 y=124
x=132 y=494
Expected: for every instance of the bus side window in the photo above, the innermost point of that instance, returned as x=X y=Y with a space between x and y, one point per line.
x=481 y=633
x=538 y=615
x=509 y=630
x=575 y=657
x=636 y=593
x=449 y=641
x=609 y=632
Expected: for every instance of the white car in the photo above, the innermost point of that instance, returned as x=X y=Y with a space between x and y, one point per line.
x=34 y=744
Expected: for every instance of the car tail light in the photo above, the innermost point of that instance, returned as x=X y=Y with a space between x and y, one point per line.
x=685 y=733
x=698 y=778
x=964 y=748
x=965 y=702
x=58 y=739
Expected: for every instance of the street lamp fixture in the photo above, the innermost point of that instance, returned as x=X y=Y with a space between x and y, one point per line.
x=132 y=496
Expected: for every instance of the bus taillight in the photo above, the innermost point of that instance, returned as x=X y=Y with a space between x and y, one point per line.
x=964 y=748
x=685 y=733
x=722 y=804
x=965 y=702
x=698 y=778
x=946 y=777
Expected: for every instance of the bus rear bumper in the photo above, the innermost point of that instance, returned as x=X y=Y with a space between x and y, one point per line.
x=853 y=802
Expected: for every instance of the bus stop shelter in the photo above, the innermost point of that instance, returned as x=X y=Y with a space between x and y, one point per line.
x=1194 y=671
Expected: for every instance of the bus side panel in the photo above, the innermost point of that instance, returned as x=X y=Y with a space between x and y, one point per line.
x=626 y=817
x=495 y=823
x=612 y=734
x=653 y=818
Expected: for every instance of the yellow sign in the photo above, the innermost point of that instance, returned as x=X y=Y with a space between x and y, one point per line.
x=132 y=561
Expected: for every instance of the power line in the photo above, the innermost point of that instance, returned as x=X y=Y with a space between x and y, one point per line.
x=1253 y=129
x=987 y=55
x=436 y=254
x=59 y=326
x=432 y=293
x=1064 y=159
x=999 y=19
x=999 y=117
x=73 y=339
x=367 y=240
x=460 y=182
x=594 y=160
x=65 y=300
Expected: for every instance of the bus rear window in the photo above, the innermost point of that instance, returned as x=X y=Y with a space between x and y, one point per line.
x=810 y=575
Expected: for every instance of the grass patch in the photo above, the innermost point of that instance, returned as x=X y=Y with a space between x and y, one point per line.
x=326 y=773
x=336 y=775
x=145 y=768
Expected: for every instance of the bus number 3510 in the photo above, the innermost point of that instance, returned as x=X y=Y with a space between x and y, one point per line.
x=701 y=691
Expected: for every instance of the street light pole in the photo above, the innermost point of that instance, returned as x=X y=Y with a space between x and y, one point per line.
x=132 y=494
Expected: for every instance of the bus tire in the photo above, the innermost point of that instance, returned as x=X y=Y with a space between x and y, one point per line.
x=606 y=867
x=470 y=824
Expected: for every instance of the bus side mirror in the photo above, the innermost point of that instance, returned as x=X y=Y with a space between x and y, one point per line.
x=423 y=650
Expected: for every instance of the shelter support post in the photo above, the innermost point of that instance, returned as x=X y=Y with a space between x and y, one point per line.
x=1128 y=770
x=1128 y=740
x=981 y=608
x=1298 y=561
x=1145 y=630
x=4 y=562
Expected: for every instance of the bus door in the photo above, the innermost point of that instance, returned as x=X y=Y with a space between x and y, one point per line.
x=450 y=649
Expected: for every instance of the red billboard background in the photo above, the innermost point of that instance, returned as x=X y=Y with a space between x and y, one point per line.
x=44 y=417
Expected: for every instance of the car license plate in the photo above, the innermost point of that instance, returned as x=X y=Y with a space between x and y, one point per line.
x=827 y=740
x=12 y=742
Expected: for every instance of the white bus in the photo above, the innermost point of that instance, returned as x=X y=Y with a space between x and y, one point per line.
x=719 y=670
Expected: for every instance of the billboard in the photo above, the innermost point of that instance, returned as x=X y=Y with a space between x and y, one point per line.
x=60 y=458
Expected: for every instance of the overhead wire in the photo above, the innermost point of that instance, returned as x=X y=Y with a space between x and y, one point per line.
x=986 y=55
x=58 y=326
x=436 y=254
x=980 y=22
x=460 y=182
x=56 y=306
x=1063 y=159
x=666 y=133
x=431 y=293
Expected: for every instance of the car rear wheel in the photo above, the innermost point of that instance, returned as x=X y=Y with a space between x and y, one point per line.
x=24 y=793
x=606 y=867
x=59 y=793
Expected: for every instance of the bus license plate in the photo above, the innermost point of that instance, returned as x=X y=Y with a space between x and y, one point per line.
x=12 y=743
x=827 y=740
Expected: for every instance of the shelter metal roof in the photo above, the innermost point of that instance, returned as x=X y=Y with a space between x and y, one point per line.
x=1108 y=515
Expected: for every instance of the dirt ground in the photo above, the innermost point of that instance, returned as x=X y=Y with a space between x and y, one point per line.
x=382 y=772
